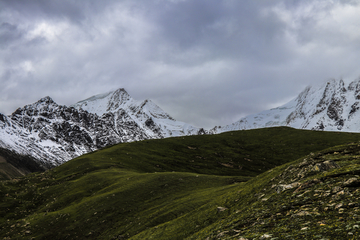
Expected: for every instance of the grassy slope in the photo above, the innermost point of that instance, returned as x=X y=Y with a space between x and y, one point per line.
x=324 y=204
x=245 y=153
x=169 y=188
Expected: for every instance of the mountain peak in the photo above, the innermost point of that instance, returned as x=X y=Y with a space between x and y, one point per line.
x=332 y=106
x=43 y=104
x=47 y=100
x=146 y=114
x=46 y=130
x=118 y=98
x=120 y=90
x=105 y=102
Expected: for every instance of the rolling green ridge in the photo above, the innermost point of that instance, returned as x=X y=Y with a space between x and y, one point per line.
x=243 y=184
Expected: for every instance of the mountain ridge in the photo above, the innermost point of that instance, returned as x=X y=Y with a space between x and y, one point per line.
x=332 y=106
x=54 y=134
x=145 y=113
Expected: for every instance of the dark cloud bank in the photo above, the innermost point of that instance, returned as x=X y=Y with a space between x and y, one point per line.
x=204 y=62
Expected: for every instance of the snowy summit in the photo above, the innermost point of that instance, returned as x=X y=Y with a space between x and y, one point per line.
x=332 y=106
x=53 y=134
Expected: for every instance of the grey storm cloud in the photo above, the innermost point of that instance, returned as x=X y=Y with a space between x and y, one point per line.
x=229 y=28
x=205 y=62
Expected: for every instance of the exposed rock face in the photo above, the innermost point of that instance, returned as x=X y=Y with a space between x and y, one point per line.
x=54 y=133
x=330 y=107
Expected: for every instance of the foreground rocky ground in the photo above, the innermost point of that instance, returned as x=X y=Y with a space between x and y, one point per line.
x=316 y=197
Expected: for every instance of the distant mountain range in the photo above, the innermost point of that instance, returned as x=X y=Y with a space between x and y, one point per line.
x=54 y=134
x=331 y=107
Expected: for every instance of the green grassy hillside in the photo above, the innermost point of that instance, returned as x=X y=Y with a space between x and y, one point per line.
x=198 y=187
x=314 y=197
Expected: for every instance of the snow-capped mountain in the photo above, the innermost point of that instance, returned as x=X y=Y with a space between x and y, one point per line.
x=332 y=106
x=54 y=133
x=145 y=114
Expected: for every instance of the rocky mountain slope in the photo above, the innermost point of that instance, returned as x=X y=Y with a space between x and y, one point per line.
x=13 y=165
x=146 y=114
x=53 y=133
x=333 y=106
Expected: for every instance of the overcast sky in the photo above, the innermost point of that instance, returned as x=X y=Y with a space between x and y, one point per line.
x=205 y=62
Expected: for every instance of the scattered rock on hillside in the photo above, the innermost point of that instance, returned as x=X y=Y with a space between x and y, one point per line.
x=221 y=209
x=283 y=187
